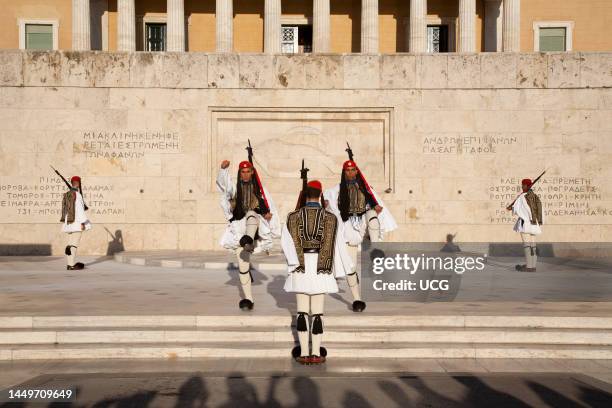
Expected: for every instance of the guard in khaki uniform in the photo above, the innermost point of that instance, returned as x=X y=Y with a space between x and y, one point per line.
x=75 y=222
x=528 y=208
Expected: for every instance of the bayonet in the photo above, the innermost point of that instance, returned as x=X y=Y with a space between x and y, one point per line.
x=249 y=150
x=304 y=176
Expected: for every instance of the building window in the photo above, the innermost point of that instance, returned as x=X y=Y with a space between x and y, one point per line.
x=38 y=34
x=155 y=37
x=39 y=37
x=296 y=39
x=437 y=38
x=552 y=39
x=551 y=36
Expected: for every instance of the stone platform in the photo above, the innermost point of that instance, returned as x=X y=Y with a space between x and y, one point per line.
x=117 y=311
x=41 y=286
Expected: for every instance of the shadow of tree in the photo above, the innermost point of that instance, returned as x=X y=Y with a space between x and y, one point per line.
x=594 y=397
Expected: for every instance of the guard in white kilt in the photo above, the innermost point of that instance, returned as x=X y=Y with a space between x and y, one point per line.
x=362 y=213
x=74 y=221
x=253 y=220
x=316 y=255
x=528 y=208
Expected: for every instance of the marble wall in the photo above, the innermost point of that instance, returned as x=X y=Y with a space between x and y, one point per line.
x=444 y=138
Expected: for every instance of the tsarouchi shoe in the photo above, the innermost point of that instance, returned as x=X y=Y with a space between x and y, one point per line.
x=246 y=304
x=359 y=306
x=316 y=359
x=247 y=243
x=76 y=266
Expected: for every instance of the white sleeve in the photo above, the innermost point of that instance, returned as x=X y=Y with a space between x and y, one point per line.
x=521 y=209
x=387 y=222
x=227 y=189
x=343 y=263
x=79 y=210
x=275 y=222
x=225 y=184
x=289 y=250
x=331 y=196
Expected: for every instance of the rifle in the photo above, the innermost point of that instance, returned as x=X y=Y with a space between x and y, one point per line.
x=304 y=176
x=70 y=186
x=110 y=233
x=532 y=184
x=349 y=151
x=249 y=150
x=62 y=177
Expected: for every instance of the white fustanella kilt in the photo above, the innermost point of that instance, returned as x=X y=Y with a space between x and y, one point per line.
x=310 y=282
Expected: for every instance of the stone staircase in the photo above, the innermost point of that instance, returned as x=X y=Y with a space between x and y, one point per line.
x=254 y=336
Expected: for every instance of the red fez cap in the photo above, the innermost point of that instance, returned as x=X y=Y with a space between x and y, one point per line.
x=349 y=163
x=75 y=178
x=315 y=184
x=245 y=165
x=526 y=181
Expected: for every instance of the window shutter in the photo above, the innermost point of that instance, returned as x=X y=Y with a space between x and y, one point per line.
x=552 y=39
x=39 y=36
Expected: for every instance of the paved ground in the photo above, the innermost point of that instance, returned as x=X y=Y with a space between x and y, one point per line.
x=256 y=383
x=42 y=286
x=195 y=259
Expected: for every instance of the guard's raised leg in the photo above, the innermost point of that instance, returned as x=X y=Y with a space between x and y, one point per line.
x=353 y=282
x=373 y=226
x=244 y=269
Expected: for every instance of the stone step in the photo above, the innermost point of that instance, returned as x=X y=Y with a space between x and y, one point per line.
x=374 y=336
x=349 y=320
x=271 y=350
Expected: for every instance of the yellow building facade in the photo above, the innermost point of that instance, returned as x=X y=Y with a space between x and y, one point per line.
x=543 y=25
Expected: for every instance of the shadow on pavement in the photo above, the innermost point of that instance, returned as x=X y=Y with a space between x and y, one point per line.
x=318 y=388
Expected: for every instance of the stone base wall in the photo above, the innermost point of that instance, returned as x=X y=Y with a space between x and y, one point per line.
x=445 y=139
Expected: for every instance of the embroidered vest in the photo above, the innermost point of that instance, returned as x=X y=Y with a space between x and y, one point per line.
x=313 y=228
x=357 y=200
x=249 y=199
